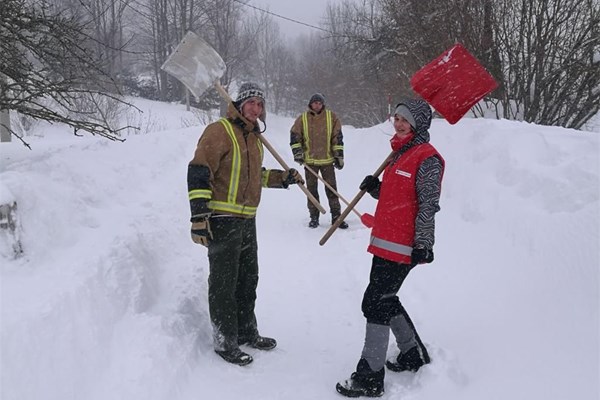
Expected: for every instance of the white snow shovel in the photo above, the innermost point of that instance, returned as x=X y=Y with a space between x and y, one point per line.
x=195 y=64
x=199 y=67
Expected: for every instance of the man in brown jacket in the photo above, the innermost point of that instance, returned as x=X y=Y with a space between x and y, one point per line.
x=225 y=179
x=317 y=142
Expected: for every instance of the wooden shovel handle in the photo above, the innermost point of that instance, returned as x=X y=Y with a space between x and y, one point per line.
x=223 y=93
x=354 y=201
x=287 y=168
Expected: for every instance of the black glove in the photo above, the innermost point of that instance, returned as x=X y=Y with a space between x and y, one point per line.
x=338 y=162
x=291 y=177
x=201 y=233
x=370 y=183
x=421 y=256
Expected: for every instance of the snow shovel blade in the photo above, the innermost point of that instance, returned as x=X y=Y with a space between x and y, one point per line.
x=453 y=83
x=367 y=220
x=195 y=64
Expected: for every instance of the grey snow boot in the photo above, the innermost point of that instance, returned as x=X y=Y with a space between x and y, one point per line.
x=363 y=382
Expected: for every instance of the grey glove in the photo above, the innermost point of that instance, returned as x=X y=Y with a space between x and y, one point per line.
x=338 y=162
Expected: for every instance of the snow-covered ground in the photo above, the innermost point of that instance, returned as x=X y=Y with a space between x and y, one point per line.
x=109 y=299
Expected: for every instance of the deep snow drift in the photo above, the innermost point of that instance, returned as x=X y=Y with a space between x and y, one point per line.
x=109 y=299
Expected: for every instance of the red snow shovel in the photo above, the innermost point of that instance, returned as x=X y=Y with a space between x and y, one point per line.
x=453 y=83
x=368 y=220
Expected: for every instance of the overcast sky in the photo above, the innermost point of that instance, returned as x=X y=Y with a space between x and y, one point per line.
x=307 y=11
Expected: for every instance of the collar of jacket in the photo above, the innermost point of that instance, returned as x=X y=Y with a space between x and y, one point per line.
x=400 y=146
x=397 y=142
x=310 y=110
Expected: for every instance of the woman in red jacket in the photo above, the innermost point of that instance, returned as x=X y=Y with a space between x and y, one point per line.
x=402 y=237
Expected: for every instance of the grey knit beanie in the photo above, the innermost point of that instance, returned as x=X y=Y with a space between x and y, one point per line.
x=403 y=111
x=418 y=114
x=316 y=97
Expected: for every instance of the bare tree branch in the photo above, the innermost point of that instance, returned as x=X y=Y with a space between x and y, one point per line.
x=48 y=68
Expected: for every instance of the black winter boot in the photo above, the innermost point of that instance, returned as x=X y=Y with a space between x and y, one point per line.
x=314 y=222
x=363 y=382
x=411 y=360
x=235 y=356
x=259 y=342
x=343 y=225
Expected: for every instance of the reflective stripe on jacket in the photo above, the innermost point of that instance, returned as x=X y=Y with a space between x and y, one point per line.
x=232 y=157
x=231 y=204
x=319 y=136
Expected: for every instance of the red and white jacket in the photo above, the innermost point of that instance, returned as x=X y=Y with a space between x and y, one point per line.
x=393 y=234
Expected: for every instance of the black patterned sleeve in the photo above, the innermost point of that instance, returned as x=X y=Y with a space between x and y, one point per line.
x=429 y=187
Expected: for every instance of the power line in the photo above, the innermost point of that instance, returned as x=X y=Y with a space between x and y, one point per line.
x=282 y=17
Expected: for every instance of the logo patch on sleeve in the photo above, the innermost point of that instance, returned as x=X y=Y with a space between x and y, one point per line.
x=403 y=173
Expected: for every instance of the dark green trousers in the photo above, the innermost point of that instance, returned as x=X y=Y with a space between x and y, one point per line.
x=232 y=281
x=312 y=184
